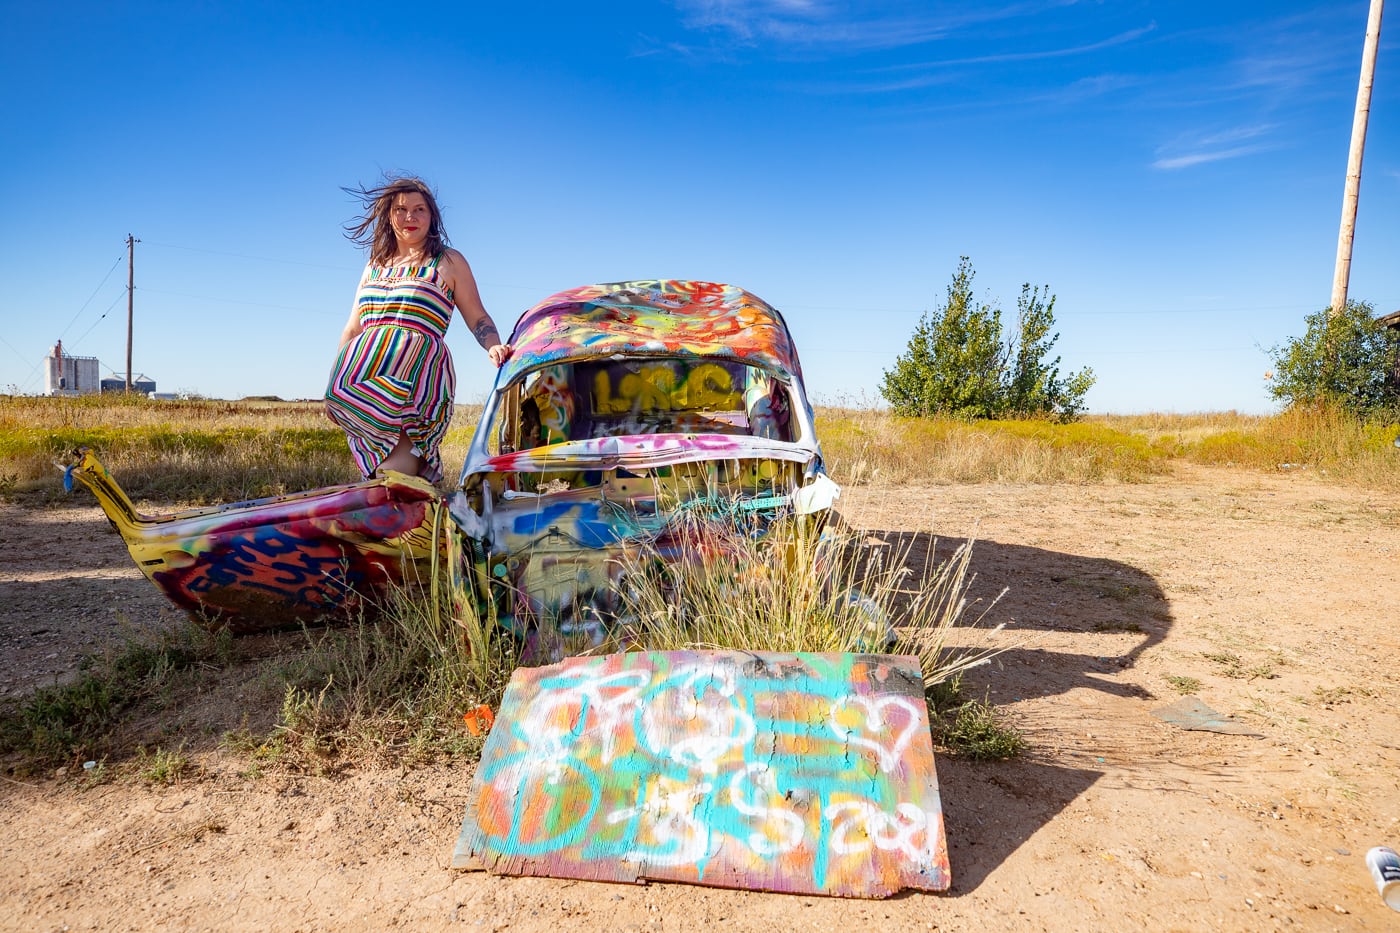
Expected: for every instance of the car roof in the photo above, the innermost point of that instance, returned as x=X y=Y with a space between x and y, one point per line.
x=653 y=317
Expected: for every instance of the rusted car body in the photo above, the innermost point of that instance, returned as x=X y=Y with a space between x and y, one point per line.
x=629 y=418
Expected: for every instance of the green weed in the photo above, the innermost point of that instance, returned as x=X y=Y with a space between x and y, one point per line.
x=970 y=728
x=1329 y=696
x=1117 y=626
x=76 y=721
x=978 y=730
x=1230 y=663
x=163 y=766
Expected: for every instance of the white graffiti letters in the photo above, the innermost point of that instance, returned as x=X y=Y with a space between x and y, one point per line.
x=704 y=692
x=785 y=824
x=865 y=730
x=853 y=819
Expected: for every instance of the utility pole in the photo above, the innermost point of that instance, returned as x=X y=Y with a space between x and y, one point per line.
x=1342 y=276
x=130 y=283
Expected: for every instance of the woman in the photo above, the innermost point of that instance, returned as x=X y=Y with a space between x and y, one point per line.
x=393 y=385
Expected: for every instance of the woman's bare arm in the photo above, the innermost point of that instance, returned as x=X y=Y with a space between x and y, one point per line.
x=353 y=327
x=467 y=297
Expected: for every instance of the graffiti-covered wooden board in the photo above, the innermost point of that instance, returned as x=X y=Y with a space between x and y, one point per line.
x=808 y=773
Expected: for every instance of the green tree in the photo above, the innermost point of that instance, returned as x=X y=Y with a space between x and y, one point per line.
x=1345 y=359
x=954 y=360
x=957 y=362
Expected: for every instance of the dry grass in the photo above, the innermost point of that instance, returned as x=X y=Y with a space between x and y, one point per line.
x=872 y=446
x=200 y=451
x=798 y=589
x=866 y=445
x=391 y=692
x=189 y=452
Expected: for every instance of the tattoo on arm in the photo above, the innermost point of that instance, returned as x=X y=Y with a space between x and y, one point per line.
x=484 y=331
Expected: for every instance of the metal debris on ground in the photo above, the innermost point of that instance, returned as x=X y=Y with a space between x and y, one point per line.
x=1191 y=714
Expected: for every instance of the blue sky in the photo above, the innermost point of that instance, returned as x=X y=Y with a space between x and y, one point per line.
x=1173 y=171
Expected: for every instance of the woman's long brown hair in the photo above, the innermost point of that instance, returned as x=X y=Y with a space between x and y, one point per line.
x=372 y=228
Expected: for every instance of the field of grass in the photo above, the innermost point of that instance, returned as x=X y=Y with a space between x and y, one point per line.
x=193 y=452
x=872 y=446
x=201 y=451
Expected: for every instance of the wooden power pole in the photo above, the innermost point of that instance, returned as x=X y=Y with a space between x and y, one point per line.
x=1342 y=275
x=130 y=282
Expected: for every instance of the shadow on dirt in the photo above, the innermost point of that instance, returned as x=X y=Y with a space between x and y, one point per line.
x=991 y=808
x=67 y=588
x=1109 y=612
x=1106 y=613
x=57 y=540
x=1119 y=610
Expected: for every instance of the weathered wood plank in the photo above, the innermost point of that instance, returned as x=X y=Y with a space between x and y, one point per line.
x=808 y=773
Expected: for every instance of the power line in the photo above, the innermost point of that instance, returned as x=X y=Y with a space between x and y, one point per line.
x=1062 y=313
x=92 y=296
x=217 y=252
x=1280 y=307
x=30 y=376
x=319 y=265
x=99 y=320
x=812 y=351
x=232 y=301
x=1167 y=351
x=13 y=350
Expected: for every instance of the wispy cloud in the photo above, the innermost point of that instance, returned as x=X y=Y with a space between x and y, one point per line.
x=1036 y=54
x=987 y=35
x=937 y=72
x=1276 y=62
x=1201 y=158
x=805 y=24
x=817 y=25
x=1215 y=147
x=1090 y=88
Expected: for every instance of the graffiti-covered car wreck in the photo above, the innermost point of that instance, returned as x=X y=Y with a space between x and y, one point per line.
x=629 y=416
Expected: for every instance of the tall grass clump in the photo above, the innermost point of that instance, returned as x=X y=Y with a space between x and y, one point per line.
x=1323 y=438
x=395 y=689
x=800 y=590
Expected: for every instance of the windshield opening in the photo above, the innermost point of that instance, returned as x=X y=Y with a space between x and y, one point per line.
x=611 y=398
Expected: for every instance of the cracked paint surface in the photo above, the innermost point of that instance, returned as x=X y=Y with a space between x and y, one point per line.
x=810 y=773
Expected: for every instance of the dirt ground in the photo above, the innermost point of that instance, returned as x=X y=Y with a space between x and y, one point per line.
x=1276 y=592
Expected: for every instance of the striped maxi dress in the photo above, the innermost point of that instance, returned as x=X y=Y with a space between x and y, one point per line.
x=396 y=374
